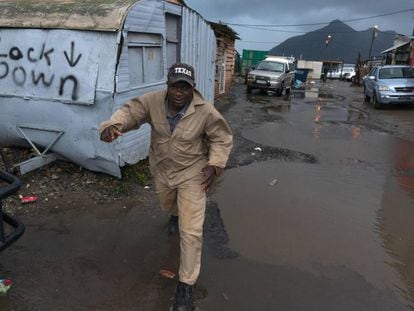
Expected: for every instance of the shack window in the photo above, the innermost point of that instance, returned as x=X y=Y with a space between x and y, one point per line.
x=144 y=58
x=173 y=25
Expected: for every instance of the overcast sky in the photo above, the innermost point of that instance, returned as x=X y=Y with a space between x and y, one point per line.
x=267 y=12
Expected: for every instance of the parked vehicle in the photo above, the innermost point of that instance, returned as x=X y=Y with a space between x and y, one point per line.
x=274 y=74
x=342 y=73
x=389 y=84
x=348 y=73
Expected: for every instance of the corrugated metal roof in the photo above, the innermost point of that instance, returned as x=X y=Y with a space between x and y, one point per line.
x=225 y=29
x=395 y=47
x=107 y=15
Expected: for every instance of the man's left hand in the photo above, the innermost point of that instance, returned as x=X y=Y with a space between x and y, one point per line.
x=208 y=172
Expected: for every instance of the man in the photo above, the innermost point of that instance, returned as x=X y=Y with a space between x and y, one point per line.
x=190 y=145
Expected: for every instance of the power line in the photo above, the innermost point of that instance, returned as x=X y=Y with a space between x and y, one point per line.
x=320 y=23
x=303 y=32
x=245 y=41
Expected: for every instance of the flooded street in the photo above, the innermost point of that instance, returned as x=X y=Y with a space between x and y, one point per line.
x=315 y=212
x=331 y=235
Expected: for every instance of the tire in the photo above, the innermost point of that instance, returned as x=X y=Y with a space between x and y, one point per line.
x=279 y=92
x=287 y=91
x=366 y=97
x=377 y=104
x=249 y=90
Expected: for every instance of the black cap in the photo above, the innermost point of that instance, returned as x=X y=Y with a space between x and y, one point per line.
x=181 y=72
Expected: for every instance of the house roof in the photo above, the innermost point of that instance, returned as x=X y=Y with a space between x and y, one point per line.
x=224 y=29
x=395 y=47
x=107 y=15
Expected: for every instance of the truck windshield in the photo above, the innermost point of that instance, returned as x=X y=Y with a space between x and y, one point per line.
x=270 y=66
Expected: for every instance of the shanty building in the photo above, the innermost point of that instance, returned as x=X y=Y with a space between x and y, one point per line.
x=225 y=58
x=65 y=66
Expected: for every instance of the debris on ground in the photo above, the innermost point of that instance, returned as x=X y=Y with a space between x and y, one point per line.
x=29 y=199
x=66 y=182
x=167 y=274
x=273 y=182
x=5 y=285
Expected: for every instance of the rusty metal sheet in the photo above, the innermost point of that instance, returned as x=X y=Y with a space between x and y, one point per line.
x=69 y=14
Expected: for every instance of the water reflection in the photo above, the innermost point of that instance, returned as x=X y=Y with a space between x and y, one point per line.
x=396 y=217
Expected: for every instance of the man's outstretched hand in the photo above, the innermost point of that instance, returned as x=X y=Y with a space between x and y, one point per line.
x=110 y=134
x=208 y=172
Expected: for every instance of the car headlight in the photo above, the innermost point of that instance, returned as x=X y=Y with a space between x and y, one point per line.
x=250 y=77
x=383 y=88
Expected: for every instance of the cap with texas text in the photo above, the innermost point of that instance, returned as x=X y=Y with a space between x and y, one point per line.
x=181 y=72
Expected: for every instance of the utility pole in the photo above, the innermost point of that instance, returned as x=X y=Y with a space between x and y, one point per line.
x=325 y=68
x=374 y=35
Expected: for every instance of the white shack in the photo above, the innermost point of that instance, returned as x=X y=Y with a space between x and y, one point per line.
x=67 y=65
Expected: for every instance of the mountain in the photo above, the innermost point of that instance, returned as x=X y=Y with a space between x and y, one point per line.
x=344 y=45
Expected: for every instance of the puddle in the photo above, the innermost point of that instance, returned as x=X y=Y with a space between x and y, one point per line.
x=277 y=109
x=351 y=215
x=107 y=257
x=336 y=235
x=318 y=130
x=320 y=217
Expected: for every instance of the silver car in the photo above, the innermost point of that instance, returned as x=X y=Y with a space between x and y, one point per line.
x=389 y=84
x=274 y=74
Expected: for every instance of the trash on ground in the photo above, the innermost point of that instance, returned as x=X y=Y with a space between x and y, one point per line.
x=258 y=149
x=146 y=187
x=298 y=84
x=273 y=182
x=225 y=296
x=26 y=200
x=167 y=274
x=5 y=285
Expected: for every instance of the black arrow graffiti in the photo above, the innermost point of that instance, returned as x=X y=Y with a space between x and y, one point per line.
x=72 y=62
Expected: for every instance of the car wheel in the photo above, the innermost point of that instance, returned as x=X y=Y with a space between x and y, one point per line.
x=287 y=91
x=366 y=97
x=249 y=90
x=279 y=91
x=377 y=104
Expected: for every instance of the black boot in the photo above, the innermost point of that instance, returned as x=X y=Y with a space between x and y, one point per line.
x=173 y=225
x=183 y=298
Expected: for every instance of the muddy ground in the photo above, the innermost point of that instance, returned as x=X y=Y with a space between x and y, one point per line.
x=314 y=213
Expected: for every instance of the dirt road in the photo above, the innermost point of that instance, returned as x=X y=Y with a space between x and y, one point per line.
x=314 y=213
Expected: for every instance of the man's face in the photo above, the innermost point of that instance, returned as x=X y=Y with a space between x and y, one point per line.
x=179 y=94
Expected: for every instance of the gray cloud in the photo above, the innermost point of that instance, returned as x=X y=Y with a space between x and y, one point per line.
x=299 y=12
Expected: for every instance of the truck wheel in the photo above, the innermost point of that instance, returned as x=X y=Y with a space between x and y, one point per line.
x=279 y=91
x=287 y=90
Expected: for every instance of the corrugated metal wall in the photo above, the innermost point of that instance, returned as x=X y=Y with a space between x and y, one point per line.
x=38 y=106
x=198 y=47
